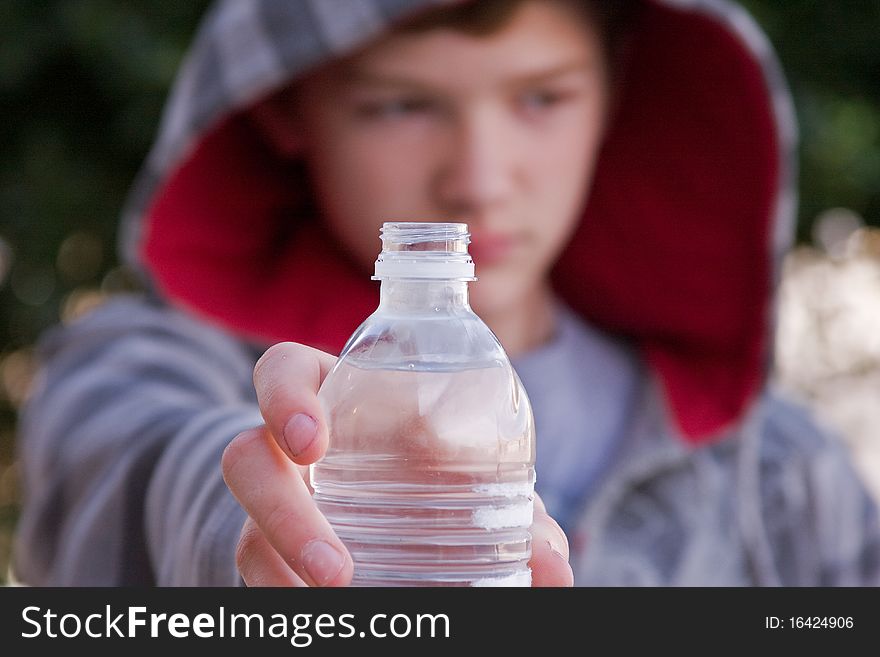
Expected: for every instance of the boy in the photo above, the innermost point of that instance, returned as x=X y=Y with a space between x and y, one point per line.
x=624 y=170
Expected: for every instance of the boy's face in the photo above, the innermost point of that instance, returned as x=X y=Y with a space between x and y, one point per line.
x=498 y=131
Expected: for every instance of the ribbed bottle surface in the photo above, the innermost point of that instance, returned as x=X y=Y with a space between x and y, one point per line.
x=430 y=487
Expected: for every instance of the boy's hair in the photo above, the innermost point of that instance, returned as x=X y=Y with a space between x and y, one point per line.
x=612 y=20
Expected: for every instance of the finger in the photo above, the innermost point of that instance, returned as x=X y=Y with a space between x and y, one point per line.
x=269 y=487
x=306 y=474
x=287 y=377
x=549 y=562
x=539 y=504
x=258 y=562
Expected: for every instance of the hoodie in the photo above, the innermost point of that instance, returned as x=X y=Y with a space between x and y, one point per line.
x=707 y=475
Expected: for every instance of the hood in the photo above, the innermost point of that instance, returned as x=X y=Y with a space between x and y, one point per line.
x=679 y=249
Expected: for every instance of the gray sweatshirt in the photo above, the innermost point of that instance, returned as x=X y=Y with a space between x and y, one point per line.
x=662 y=447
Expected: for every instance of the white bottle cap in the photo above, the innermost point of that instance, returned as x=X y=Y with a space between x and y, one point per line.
x=424 y=250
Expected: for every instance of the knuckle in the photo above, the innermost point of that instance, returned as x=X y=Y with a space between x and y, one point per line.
x=545 y=525
x=238 y=449
x=563 y=539
x=263 y=361
x=278 y=520
x=279 y=387
x=248 y=545
x=276 y=352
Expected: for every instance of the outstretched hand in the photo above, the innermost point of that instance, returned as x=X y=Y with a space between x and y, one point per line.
x=286 y=541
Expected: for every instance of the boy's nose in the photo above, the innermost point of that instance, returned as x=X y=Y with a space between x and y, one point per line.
x=478 y=170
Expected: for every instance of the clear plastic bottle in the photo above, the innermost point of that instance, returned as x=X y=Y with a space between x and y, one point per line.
x=429 y=475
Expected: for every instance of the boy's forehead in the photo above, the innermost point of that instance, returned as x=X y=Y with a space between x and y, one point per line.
x=525 y=47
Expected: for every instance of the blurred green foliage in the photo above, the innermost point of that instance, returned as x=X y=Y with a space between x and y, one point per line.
x=831 y=55
x=82 y=84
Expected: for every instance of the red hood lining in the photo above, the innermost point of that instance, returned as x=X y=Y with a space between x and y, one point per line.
x=672 y=253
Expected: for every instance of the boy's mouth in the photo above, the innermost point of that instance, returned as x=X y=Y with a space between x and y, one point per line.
x=489 y=248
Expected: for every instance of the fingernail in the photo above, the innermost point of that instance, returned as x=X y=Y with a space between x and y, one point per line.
x=557 y=550
x=299 y=432
x=322 y=561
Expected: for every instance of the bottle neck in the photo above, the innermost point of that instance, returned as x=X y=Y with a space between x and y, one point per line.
x=418 y=296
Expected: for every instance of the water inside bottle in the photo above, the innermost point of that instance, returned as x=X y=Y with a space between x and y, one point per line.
x=428 y=478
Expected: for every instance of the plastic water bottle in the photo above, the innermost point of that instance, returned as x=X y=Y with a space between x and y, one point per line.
x=429 y=475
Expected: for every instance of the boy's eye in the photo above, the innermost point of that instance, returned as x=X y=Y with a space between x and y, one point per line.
x=542 y=99
x=394 y=108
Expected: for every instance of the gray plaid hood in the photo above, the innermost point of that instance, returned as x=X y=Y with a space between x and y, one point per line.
x=679 y=250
